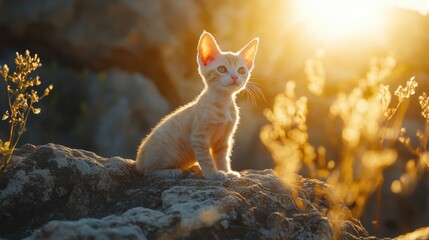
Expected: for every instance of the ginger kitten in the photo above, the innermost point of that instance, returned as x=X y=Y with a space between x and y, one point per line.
x=202 y=130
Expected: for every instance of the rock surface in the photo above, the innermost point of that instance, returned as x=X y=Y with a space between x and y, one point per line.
x=52 y=192
x=127 y=106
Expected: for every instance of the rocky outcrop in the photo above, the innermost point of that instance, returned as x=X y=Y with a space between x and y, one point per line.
x=51 y=191
x=54 y=182
x=126 y=107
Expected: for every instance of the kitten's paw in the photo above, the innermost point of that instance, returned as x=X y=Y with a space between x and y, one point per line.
x=219 y=175
x=168 y=173
x=196 y=169
x=233 y=174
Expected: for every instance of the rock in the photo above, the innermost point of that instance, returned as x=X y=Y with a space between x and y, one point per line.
x=51 y=191
x=54 y=182
x=130 y=35
x=127 y=106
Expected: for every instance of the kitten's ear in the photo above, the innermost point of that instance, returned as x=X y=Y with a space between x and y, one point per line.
x=208 y=49
x=248 y=53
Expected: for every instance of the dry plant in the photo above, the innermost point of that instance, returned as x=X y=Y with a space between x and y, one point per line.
x=414 y=168
x=21 y=100
x=315 y=73
x=366 y=124
x=287 y=137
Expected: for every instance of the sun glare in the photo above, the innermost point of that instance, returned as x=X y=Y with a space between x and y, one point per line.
x=337 y=19
x=421 y=6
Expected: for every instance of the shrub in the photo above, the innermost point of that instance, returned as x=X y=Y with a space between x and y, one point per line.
x=21 y=101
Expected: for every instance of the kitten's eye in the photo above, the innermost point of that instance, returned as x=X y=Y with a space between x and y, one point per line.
x=221 y=69
x=242 y=70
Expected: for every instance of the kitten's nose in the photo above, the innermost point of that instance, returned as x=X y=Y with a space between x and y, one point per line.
x=234 y=77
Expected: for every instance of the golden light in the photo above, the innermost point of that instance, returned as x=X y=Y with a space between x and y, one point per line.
x=421 y=6
x=338 y=19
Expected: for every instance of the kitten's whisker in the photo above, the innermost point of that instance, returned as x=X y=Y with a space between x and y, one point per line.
x=255 y=102
x=254 y=95
x=255 y=83
x=247 y=94
x=256 y=89
x=259 y=90
x=257 y=93
x=252 y=89
x=253 y=99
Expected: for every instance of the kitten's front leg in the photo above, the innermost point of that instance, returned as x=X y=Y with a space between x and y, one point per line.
x=201 y=147
x=221 y=154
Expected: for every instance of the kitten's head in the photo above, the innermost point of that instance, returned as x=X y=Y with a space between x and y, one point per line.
x=226 y=72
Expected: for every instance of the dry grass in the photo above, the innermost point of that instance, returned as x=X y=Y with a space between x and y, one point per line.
x=367 y=132
x=21 y=101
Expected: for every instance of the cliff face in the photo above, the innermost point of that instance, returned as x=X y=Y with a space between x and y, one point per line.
x=52 y=191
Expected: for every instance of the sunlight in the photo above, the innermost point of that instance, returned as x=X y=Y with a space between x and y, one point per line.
x=338 y=19
x=421 y=6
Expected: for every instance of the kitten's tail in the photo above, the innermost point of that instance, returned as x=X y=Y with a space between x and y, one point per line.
x=138 y=164
x=132 y=164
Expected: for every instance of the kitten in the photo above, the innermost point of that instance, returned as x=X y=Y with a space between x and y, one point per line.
x=203 y=130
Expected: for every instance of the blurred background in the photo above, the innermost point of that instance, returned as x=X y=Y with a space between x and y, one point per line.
x=118 y=66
